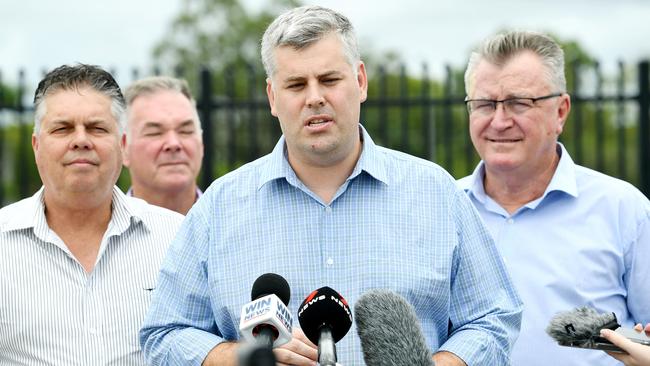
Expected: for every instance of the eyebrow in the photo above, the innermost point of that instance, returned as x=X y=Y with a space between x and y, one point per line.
x=188 y=122
x=159 y=125
x=330 y=73
x=151 y=125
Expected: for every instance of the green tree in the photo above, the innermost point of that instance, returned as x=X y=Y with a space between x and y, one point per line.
x=216 y=34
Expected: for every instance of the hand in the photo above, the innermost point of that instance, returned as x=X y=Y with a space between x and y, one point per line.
x=298 y=352
x=640 y=328
x=638 y=354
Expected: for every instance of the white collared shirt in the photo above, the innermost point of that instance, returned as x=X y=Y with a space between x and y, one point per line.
x=52 y=312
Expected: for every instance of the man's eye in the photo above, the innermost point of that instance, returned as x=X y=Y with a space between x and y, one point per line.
x=152 y=133
x=330 y=80
x=487 y=105
x=519 y=105
x=295 y=86
x=186 y=132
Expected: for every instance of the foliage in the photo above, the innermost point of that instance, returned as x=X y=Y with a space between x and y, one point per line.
x=213 y=34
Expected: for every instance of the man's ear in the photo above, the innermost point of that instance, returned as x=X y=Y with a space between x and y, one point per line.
x=270 y=94
x=563 y=112
x=125 y=153
x=34 y=143
x=362 y=79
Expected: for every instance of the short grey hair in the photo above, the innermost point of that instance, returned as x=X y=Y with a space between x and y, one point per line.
x=501 y=47
x=154 y=84
x=304 y=26
x=76 y=77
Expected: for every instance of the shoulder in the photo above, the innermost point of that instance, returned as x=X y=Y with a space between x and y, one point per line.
x=407 y=168
x=17 y=214
x=242 y=180
x=153 y=216
x=591 y=182
x=465 y=183
x=614 y=198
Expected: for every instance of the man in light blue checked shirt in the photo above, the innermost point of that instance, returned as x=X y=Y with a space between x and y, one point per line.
x=328 y=207
x=571 y=236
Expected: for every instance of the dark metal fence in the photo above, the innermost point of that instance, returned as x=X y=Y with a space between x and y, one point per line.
x=608 y=128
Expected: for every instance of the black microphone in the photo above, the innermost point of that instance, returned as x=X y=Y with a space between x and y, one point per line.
x=581 y=328
x=390 y=331
x=325 y=318
x=266 y=320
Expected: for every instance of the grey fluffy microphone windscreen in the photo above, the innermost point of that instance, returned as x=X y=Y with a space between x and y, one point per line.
x=389 y=330
x=581 y=328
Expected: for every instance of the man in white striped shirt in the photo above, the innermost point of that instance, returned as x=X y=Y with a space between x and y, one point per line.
x=79 y=259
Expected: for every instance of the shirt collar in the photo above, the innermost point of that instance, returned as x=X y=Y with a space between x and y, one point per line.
x=124 y=214
x=199 y=193
x=370 y=161
x=30 y=213
x=564 y=179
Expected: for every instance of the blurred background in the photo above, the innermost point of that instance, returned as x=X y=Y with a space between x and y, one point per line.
x=415 y=52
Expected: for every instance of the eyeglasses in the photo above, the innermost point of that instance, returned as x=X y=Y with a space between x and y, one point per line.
x=515 y=105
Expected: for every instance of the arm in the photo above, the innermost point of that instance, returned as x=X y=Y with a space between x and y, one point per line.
x=485 y=310
x=224 y=354
x=637 y=354
x=180 y=327
x=445 y=358
x=636 y=257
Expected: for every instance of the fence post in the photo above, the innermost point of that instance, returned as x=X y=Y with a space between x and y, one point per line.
x=2 y=143
x=644 y=127
x=205 y=109
x=24 y=137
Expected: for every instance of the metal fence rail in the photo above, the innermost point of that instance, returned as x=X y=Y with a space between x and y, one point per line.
x=608 y=128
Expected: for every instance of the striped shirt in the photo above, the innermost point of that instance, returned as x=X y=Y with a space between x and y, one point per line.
x=398 y=222
x=52 y=312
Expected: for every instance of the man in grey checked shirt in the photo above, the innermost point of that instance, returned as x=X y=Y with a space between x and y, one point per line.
x=328 y=207
x=78 y=260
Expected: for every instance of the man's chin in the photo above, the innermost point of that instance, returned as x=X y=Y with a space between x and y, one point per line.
x=175 y=182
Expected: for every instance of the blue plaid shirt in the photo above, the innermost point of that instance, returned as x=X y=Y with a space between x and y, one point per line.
x=398 y=222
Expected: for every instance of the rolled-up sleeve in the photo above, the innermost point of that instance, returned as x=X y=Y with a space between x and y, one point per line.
x=179 y=328
x=485 y=312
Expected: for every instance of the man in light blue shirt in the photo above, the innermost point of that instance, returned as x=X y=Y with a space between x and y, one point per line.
x=570 y=236
x=330 y=208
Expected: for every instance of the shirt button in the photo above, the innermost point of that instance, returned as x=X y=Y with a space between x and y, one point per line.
x=92 y=331
x=328 y=209
x=510 y=221
x=330 y=261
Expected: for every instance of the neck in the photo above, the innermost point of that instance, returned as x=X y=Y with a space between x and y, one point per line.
x=77 y=210
x=180 y=201
x=80 y=221
x=513 y=189
x=324 y=180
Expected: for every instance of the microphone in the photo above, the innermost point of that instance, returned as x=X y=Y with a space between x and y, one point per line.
x=266 y=320
x=325 y=318
x=389 y=330
x=581 y=328
x=255 y=355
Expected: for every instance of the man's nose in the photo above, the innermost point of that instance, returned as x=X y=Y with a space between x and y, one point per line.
x=172 y=142
x=315 y=97
x=502 y=118
x=81 y=139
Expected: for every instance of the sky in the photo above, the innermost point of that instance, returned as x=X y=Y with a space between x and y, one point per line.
x=120 y=34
